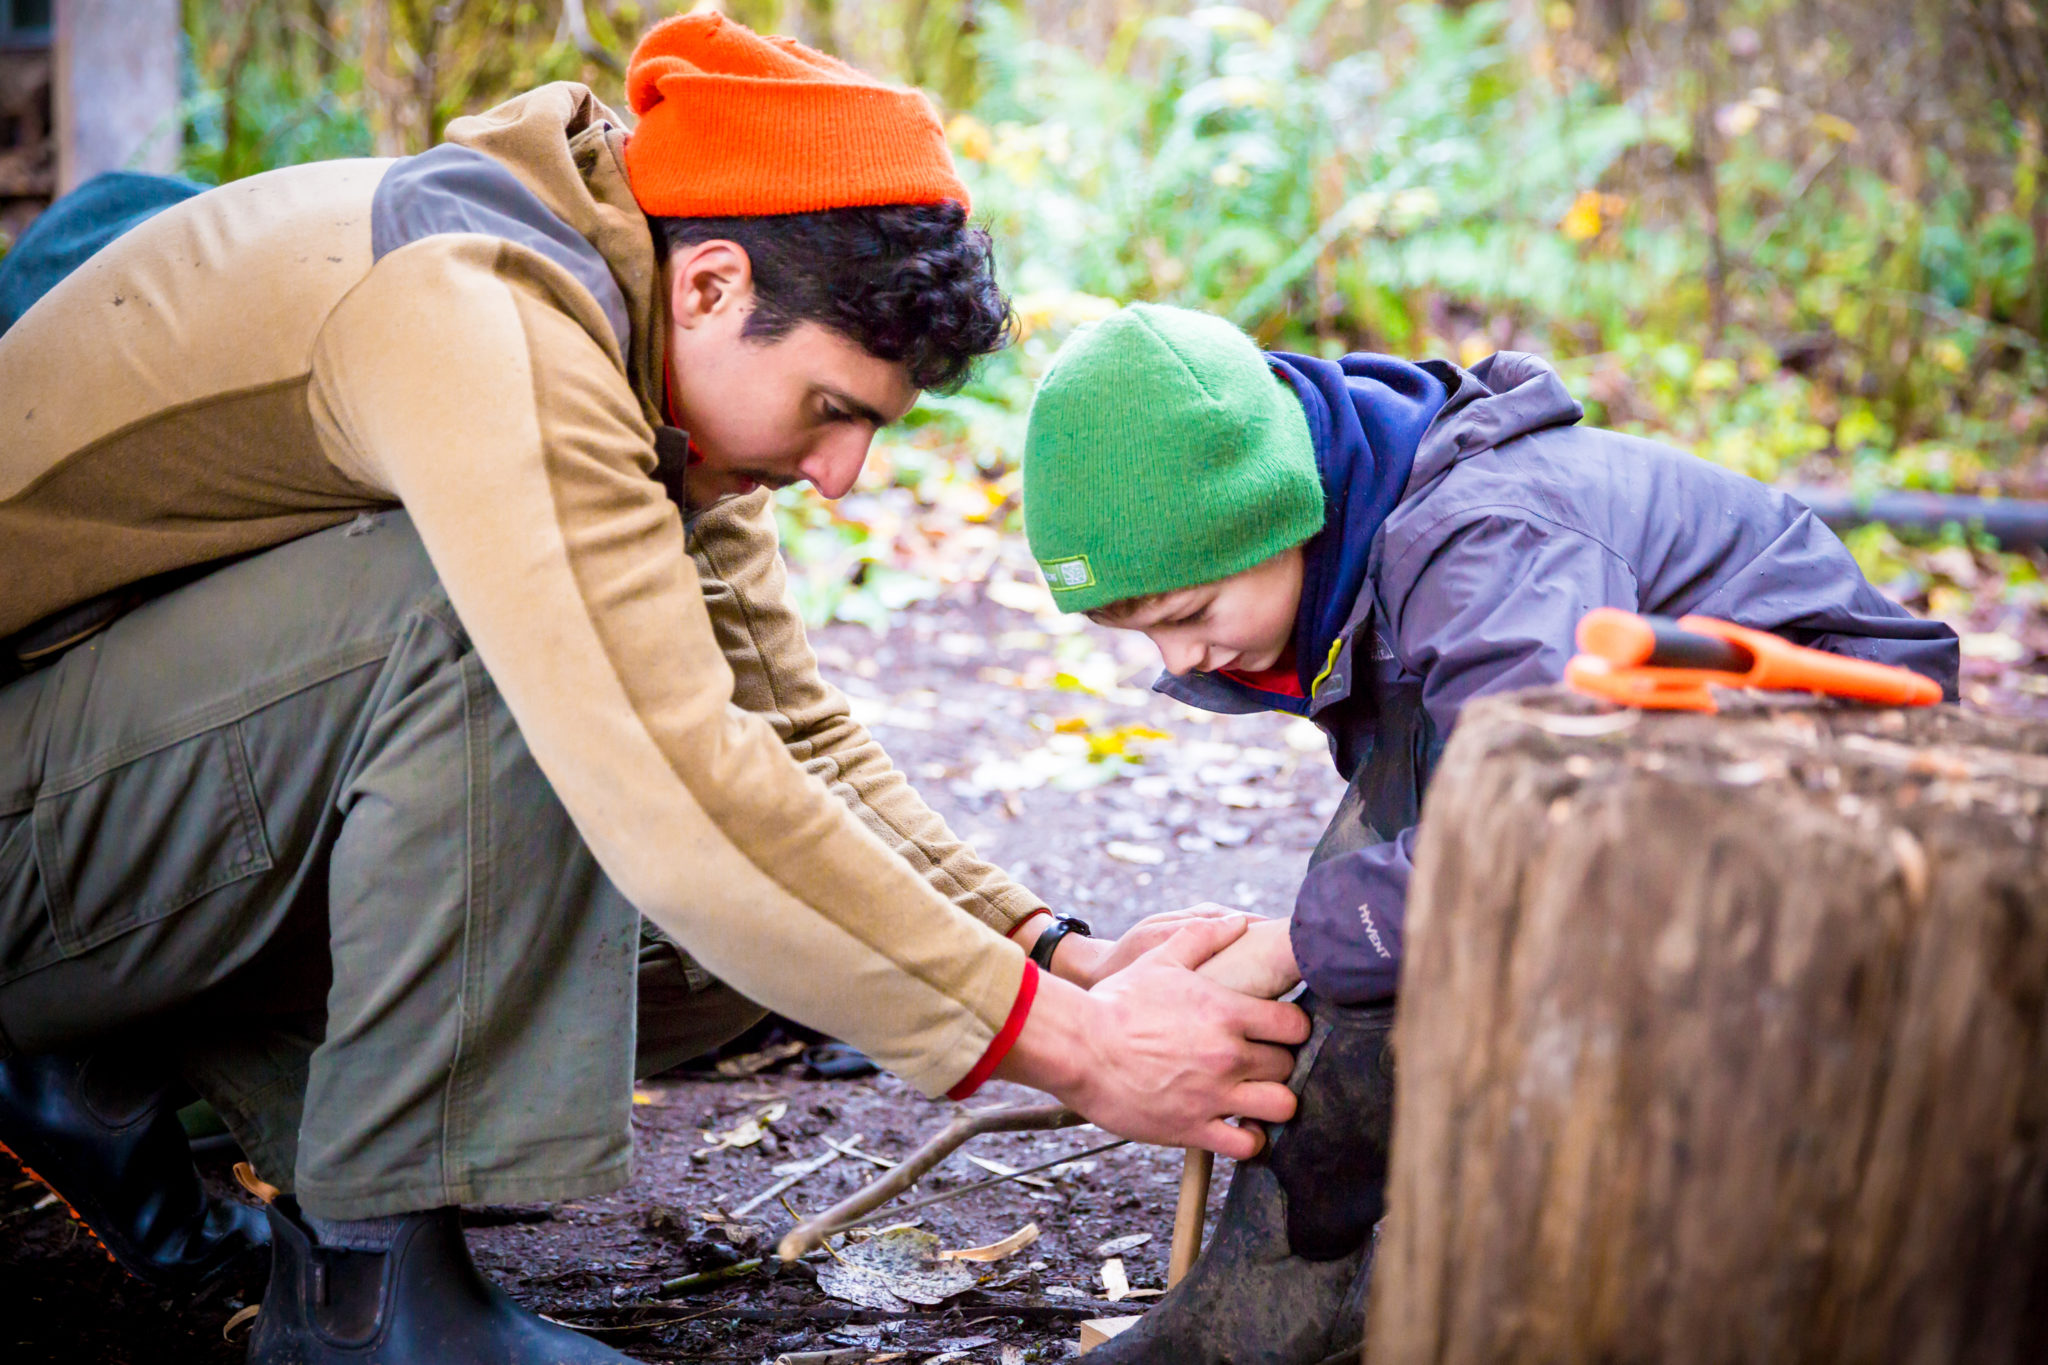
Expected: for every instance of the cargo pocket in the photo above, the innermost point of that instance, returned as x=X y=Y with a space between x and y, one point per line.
x=148 y=838
x=24 y=914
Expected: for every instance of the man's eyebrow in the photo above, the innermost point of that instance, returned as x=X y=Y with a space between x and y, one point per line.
x=853 y=405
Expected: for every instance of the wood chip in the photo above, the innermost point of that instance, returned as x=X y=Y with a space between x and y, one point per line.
x=1115 y=1283
x=227 y=1329
x=1121 y=1246
x=995 y=1251
x=1095 y=1331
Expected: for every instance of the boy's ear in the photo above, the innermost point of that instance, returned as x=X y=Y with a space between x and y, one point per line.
x=707 y=280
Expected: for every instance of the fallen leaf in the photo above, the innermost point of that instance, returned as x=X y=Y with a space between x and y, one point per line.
x=1119 y=1246
x=857 y=1285
x=748 y=1130
x=1144 y=855
x=1115 y=1284
x=995 y=1251
x=900 y=1263
x=1223 y=833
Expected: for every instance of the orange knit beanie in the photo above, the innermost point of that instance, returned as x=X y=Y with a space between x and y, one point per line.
x=733 y=124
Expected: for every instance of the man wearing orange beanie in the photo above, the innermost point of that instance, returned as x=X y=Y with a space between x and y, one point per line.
x=394 y=610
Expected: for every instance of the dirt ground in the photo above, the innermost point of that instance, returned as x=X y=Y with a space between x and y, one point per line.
x=1038 y=741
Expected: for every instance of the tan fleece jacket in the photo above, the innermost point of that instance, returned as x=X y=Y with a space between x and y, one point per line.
x=272 y=356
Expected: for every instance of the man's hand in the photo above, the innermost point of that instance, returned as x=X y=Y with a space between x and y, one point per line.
x=1157 y=1054
x=1087 y=961
x=1260 y=963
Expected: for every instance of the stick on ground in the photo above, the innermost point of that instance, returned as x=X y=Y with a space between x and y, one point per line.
x=810 y=1234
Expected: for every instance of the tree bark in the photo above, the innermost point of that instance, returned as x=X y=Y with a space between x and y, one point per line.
x=1724 y=1038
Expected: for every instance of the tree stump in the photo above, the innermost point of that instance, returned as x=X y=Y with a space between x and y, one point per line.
x=1723 y=1038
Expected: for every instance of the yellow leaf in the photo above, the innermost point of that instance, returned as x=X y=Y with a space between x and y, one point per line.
x=1840 y=129
x=1072 y=725
x=1581 y=222
x=970 y=137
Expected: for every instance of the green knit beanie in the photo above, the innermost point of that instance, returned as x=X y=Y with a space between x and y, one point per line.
x=1162 y=452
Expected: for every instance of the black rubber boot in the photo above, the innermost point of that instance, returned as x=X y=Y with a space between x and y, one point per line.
x=423 y=1302
x=1282 y=1281
x=101 y=1130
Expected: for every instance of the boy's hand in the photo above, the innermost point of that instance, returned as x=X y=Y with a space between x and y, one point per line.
x=1157 y=1054
x=1260 y=963
x=1086 y=961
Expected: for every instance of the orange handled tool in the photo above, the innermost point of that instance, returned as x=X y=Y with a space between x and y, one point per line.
x=1662 y=664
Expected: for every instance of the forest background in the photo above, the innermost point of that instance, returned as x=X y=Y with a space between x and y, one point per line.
x=1805 y=238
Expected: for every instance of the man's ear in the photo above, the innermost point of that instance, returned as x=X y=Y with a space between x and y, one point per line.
x=709 y=280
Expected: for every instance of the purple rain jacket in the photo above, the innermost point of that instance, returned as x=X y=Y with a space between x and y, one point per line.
x=1514 y=523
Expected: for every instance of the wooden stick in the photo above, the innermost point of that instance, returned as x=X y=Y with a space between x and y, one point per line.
x=789 y=1182
x=967 y=1125
x=1189 y=1213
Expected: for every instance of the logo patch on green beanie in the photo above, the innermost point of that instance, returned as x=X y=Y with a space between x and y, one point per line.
x=1067 y=575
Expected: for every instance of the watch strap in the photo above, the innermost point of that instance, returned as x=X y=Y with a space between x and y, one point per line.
x=1062 y=925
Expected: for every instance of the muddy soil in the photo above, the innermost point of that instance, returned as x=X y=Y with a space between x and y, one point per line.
x=1036 y=741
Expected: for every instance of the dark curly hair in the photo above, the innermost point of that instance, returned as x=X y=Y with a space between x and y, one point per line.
x=906 y=282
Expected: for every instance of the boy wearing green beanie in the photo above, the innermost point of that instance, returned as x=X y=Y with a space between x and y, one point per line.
x=1370 y=543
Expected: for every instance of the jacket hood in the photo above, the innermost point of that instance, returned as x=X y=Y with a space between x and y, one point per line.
x=562 y=143
x=1506 y=395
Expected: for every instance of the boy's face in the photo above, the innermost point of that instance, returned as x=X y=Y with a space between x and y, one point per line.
x=1244 y=622
x=803 y=407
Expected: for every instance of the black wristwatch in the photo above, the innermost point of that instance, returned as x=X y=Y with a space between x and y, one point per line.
x=1062 y=925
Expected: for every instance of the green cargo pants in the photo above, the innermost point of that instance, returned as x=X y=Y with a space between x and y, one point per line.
x=279 y=824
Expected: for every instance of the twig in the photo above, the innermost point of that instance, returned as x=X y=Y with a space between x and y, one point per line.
x=814 y=1232
x=789 y=1182
x=847 y=1148
x=965 y=1127
x=629 y=1326
x=682 y=1284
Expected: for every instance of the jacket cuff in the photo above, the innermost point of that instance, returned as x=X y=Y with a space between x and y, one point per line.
x=999 y=1047
x=1348 y=923
x=1004 y=906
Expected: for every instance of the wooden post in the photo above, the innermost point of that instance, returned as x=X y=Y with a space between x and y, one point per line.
x=1189 y=1213
x=1723 y=1039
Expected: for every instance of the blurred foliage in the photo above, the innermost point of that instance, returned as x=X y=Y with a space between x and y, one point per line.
x=1806 y=238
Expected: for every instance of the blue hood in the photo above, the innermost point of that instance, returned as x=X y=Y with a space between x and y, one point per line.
x=1366 y=414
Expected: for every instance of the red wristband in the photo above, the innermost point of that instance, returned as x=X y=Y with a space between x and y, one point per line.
x=999 y=1047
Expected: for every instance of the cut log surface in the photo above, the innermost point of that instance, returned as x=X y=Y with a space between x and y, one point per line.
x=1723 y=1038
